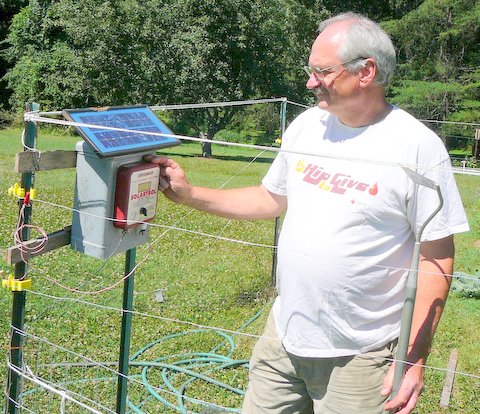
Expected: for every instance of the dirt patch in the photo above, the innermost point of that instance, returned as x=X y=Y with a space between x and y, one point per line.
x=477 y=244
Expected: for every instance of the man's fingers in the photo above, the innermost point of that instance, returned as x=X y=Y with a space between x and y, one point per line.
x=401 y=399
x=406 y=406
x=163 y=171
x=149 y=157
x=160 y=160
x=163 y=184
x=396 y=403
x=412 y=402
x=406 y=399
x=172 y=181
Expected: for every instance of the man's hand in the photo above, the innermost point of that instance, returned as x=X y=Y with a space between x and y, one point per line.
x=409 y=392
x=173 y=181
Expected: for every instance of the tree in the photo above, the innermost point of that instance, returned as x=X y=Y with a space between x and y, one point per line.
x=74 y=54
x=376 y=10
x=438 y=76
x=96 y=53
x=7 y=10
x=233 y=50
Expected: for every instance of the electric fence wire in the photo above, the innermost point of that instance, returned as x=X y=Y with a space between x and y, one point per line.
x=167 y=227
x=473 y=124
x=201 y=327
x=455 y=276
x=213 y=328
x=216 y=104
x=218 y=237
x=62 y=392
x=176 y=228
x=251 y=102
x=35 y=246
x=32 y=117
x=209 y=361
x=232 y=240
x=272 y=100
x=32 y=248
x=163 y=226
x=86 y=280
x=18 y=404
x=195 y=105
x=150 y=244
x=104 y=289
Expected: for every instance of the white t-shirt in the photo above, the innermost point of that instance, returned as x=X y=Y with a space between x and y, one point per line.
x=347 y=238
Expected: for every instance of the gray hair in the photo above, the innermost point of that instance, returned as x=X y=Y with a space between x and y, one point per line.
x=365 y=38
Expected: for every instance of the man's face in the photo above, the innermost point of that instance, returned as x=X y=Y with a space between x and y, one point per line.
x=335 y=87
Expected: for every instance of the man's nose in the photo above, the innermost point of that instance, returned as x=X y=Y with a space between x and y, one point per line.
x=313 y=82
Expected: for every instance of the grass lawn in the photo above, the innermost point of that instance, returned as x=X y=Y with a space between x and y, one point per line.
x=185 y=278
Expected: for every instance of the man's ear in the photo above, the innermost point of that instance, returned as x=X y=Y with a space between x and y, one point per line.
x=368 y=73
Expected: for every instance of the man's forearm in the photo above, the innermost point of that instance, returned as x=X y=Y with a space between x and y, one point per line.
x=240 y=203
x=435 y=268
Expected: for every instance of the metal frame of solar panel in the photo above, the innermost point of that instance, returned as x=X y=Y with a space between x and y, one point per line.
x=110 y=143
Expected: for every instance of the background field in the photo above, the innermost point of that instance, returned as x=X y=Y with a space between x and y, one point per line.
x=203 y=280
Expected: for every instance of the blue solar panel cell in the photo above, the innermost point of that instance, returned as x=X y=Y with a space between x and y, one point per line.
x=136 y=119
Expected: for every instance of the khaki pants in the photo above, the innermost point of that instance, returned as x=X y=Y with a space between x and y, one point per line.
x=282 y=383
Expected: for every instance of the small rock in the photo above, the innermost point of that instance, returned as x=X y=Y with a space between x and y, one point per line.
x=159 y=296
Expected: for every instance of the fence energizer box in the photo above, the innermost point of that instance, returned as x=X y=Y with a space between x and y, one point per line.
x=136 y=194
x=116 y=191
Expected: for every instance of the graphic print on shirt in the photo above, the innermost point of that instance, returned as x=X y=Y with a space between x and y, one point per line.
x=336 y=182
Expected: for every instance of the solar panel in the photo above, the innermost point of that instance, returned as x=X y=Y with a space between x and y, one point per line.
x=137 y=119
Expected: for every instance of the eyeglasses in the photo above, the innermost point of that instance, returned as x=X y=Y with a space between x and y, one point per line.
x=320 y=73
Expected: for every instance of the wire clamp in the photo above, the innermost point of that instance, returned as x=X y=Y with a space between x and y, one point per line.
x=16 y=191
x=19 y=192
x=16 y=285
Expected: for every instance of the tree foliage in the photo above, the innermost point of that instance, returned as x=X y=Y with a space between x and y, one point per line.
x=438 y=76
x=158 y=51
x=7 y=10
x=235 y=50
x=66 y=53
x=376 y=10
x=95 y=53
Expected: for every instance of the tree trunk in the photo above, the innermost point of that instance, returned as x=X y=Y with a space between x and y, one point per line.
x=206 y=146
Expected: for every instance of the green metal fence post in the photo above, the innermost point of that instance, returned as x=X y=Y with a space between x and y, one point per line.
x=126 y=330
x=19 y=297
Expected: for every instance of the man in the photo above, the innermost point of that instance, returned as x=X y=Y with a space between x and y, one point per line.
x=347 y=238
